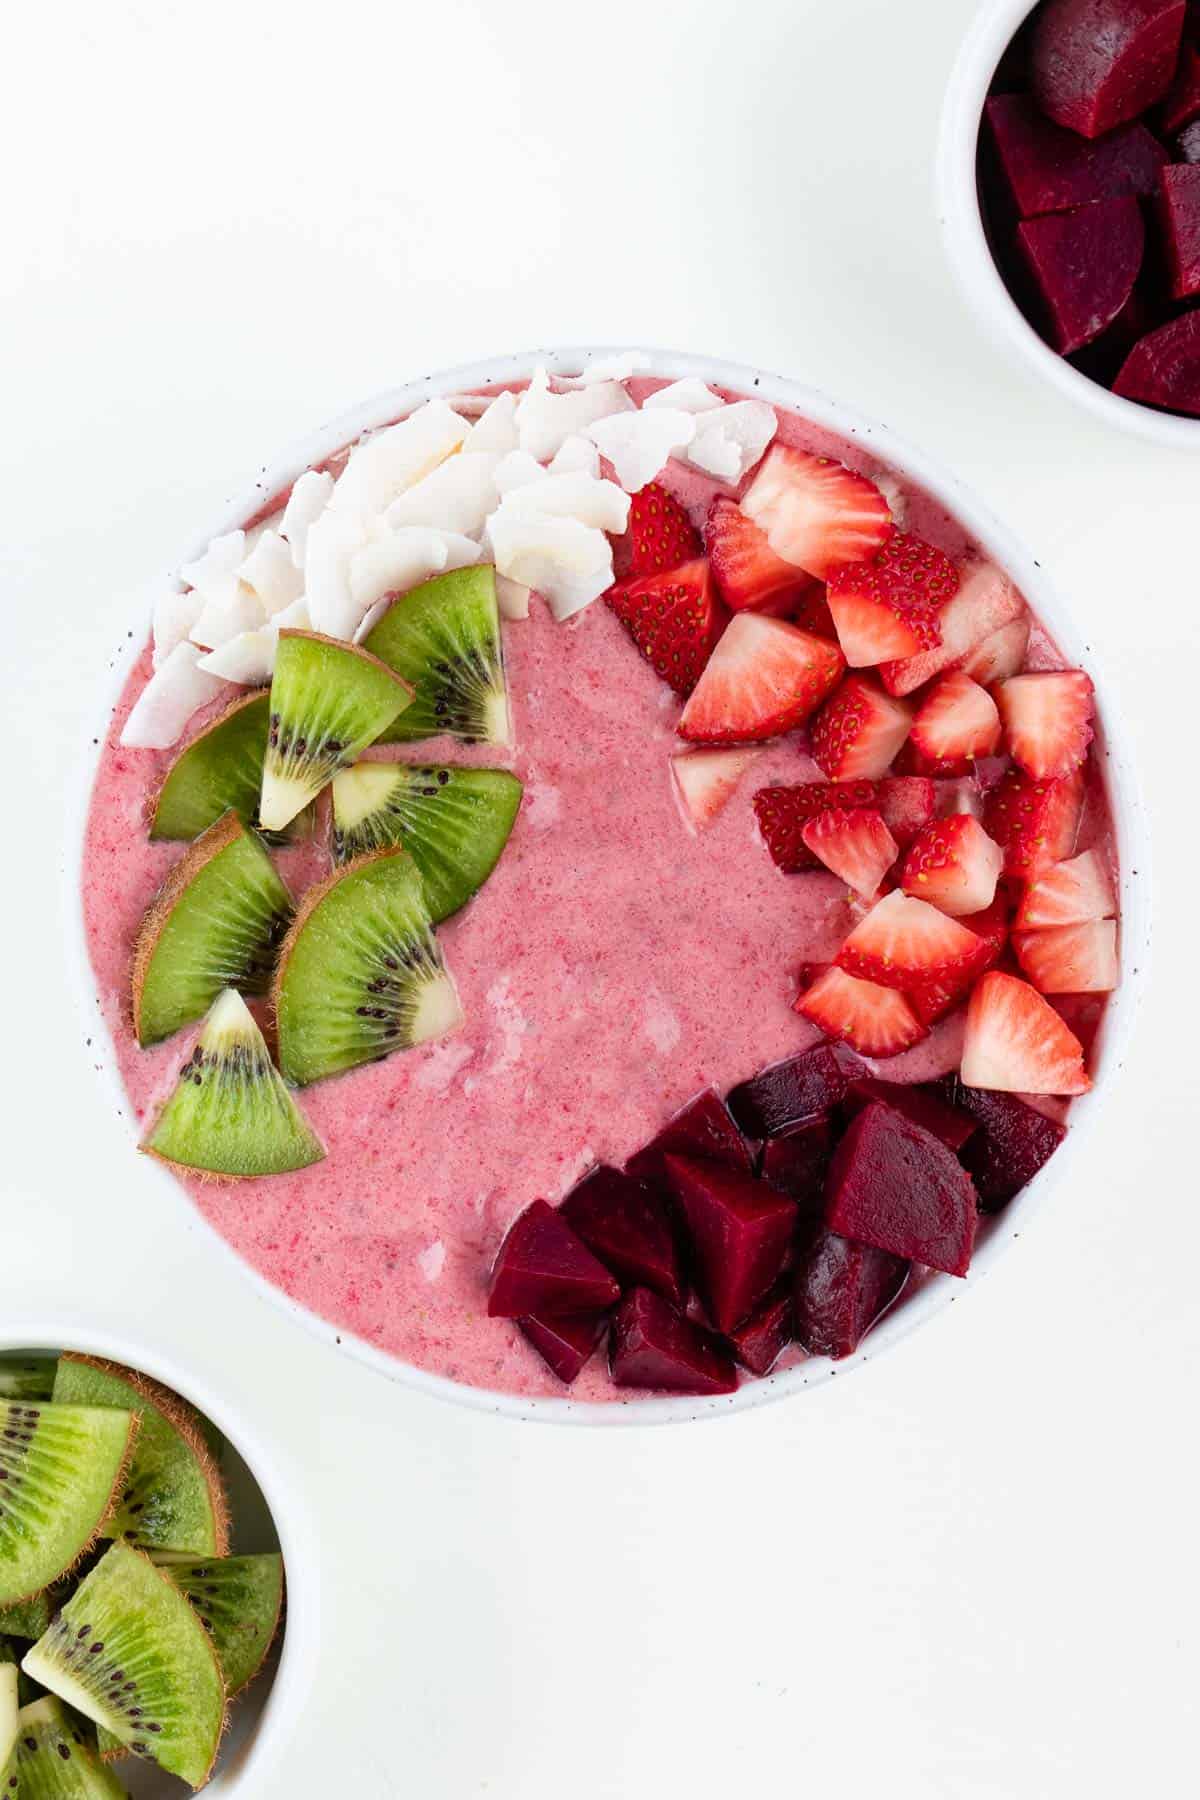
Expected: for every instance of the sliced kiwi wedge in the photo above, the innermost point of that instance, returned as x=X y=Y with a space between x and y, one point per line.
x=230 y=1113
x=26 y=1378
x=9 y=1704
x=219 y=770
x=444 y=638
x=360 y=973
x=28 y=1619
x=214 y=924
x=172 y=1497
x=454 y=823
x=61 y=1469
x=240 y=1602
x=130 y=1653
x=53 y=1758
x=328 y=701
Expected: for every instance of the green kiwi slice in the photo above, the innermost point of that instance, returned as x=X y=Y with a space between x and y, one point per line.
x=9 y=1705
x=214 y=924
x=130 y=1653
x=360 y=973
x=172 y=1497
x=53 y=1758
x=27 y=1620
x=26 y=1378
x=453 y=822
x=61 y=1468
x=220 y=769
x=444 y=637
x=328 y=701
x=230 y=1113
x=240 y=1602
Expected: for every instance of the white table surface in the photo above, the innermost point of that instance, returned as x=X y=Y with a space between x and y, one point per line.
x=967 y=1570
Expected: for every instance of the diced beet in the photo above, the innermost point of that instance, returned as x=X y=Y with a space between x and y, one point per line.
x=840 y=1290
x=923 y=1105
x=654 y=1346
x=1083 y=265
x=1101 y=360
x=545 y=1270
x=1096 y=63
x=624 y=1222
x=896 y=1187
x=1164 y=368
x=1046 y=169
x=1179 y=216
x=1012 y=1144
x=1182 y=104
x=565 y=1344
x=784 y=1095
x=906 y=803
x=702 y=1128
x=739 y=1230
x=796 y=1162
x=759 y=1343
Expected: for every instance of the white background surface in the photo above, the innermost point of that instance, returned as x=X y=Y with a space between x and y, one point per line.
x=967 y=1570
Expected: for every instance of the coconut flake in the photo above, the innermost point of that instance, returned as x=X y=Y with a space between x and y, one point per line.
x=582 y=497
x=575 y=456
x=460 y=553
x=456 y=497
x=730 y=439
x=617 y=367
x=333 y=539
x=398 y=457
x=545 y=420
x=471 y=406
x=295 y=617
x=308 y=499
x=248 y=659
x=404 y=559
x=638 y=444
x=270 y=573
x=568 y=563
x=216 y=572
x=894 y=492
x=497 y=428
x=175 y=612
x=224 y=618
x=168 y=700
x=689 y=395
x=512 y=598
x=516 y=470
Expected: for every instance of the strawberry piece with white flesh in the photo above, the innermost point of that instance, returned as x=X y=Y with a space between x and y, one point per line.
x=985 y=602
x=1071 y=959
x=1000 y=655
x=765 y=677
x=875 y=1021
x=933 y=999
x=816 y=512
x=903 y=941
x=746 y=569
x=1047 y=720
x=660 y=535
x=706 y=779
x=1071 y=893
x=783 y=812
x=675 y=619
x=907 y=803
x=956 y=722
x=1017 y=1044
x=857 y=734
x=857 y=847
x=887 y=607
x=954 y=865
x=1034 y=822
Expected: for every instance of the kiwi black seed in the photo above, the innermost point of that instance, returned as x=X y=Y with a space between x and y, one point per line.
x=215 y=924
x=453 y=822
x=444 y=638
x=360 y=973
x=61 y=1469
x=53 y=1758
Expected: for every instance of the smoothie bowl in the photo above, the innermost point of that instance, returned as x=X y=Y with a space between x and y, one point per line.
x=575 y=832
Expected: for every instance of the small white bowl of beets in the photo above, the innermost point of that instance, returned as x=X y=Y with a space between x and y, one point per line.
x=1070 y=196
x=142 y=1586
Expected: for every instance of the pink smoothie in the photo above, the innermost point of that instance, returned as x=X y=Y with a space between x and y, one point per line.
x=614 y=964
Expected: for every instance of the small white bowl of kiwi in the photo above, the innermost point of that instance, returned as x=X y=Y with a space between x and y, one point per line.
x=144 y=1646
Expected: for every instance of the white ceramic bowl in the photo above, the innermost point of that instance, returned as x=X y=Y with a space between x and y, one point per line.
x=995 y=25
x=1128 y=810
x=266 y=1716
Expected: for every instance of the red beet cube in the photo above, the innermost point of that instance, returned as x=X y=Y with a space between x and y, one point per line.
x=654 y=1346
x=1083 y=265
x=1013 y=1142
x=1179 y=215
x=796 y=1163
x=923 y=1105
x=1045 y=169
x=840 y=1290
x=1163 y=369
x=703 y=1128
x=787 y=1093
x=1097 y=63
x=624 y=1222
x=759 y=1343
x=565 y=1344
x=896 y=1187
x=545 y=1270
x=739 y=1230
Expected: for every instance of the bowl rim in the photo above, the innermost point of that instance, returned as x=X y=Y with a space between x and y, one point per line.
x=971 y=258
x=1129 y=814
x=298 y=1643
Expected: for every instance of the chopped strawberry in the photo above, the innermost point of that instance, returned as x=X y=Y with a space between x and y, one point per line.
x=1017 y=1044
x=876 y=1021
x=661 y=536
x=888 y=606
x=954 y=865
x=1034 y=822
x=907 y=803
x=812 y=612
x=746 y=569
x=903 y=941
x=1071 y=959
x=707 y=778
x=1000 y=655
x=675 y=619
x=816 y=512
x=1047 y=721
x=783 y=812
x=855 y=846
x=932 y=1000
x=956 y=721
x=856 y=734
x=986 y=601
x=764 y=678
x=1071 y=893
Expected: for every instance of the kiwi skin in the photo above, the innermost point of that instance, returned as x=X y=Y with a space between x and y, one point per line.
x=118 y=1488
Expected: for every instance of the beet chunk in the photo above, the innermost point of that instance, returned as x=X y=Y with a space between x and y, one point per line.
x=565 y=1344
x=653 y=1346
x=1179 y=216
x=796 y=1162
x=1163 y=369
x=1182 y=104
x=761 y=1341
x=702 y=1128
x=543 y=1269
x=789 y=1092
x=896 y=1187
x=1097 y=63
x=739 y=1229
x=625 y=1224
x=922 y=1105
x=1083 y=265
x=1045 y=169
x=840 y=1290
x=1012 y=1144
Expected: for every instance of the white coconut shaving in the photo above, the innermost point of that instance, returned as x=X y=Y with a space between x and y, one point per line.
x=545 y=420
x=175 y=612
x=617 y=367
x=168 y=700
x=518 y=469
x=512 y=598
x=568 y=563
x=639 y=444
x=471 y=406
x=457 y=496
x=576 y=455
x=583 y=497
x=689 y=395
x=248 y=659
x=385 y=464
x=216 y=572
x=496 y=429
x=224 y=617
x=333 y=539
x=270 y=574
x=730 y=439
x=310 y=495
